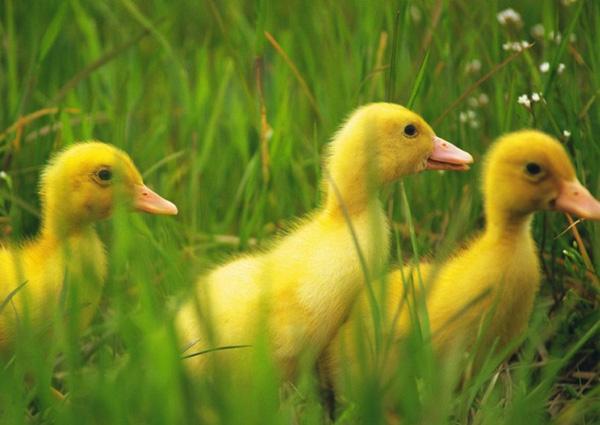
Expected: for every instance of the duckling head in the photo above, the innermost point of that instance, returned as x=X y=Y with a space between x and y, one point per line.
x=82 y=184
x=395 y=140
x=527 y=171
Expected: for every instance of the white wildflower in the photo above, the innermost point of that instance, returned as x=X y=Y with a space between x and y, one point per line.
x=535 y=97
x=545 y=67
x=415 y=13
x=537 y=31
x=473 y=102
x=269 y=133
x=516 y=46
x=561 y=68
x=473 y=67
x=483 y=99
x=555 y=36
x=509 y=16
x=3 y=175
x=566 y=133
x=524 y=100
x=469 y=117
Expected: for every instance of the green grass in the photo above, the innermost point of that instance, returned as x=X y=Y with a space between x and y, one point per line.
x=175 y=85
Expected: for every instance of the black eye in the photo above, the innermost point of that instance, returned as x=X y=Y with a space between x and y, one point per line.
x=104 y=174
x=533 y=169
x=410 y=130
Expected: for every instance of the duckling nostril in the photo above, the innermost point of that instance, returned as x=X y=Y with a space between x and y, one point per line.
x=445 y=145
x=575 y=193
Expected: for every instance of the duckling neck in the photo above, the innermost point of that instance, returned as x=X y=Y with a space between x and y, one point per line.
x=79 y=242
x=58 y=224
x=353 y=198
x=507 y=225
x=82 y=258
x=352 y=179
x=350 y=186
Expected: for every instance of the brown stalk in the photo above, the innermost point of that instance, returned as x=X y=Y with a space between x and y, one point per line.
x=264 y=124
x=296 y=72
x=25 y=120
x=47 y=129
x=428 y=38
x=379 y=66
x=582 y=250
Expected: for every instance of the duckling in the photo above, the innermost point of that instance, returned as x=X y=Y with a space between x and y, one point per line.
x=78 y=188
x=489 y=287
x=301 y=288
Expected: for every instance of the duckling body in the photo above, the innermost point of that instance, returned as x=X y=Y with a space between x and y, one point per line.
x=482 y=294
x=67 y=261
x=301 y=289
x=42 y=267
x=291 y=288
x=496 y=299
x=487 y=290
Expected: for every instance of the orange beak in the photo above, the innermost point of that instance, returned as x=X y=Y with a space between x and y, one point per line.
x=574 y=198
x=446 y=156
x=151 y=202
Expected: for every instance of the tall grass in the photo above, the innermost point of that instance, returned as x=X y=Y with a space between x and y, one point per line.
x=177 y=86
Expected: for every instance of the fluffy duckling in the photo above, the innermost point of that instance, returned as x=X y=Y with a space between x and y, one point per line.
x=78 y=188
x=303 y=286
x=490 y=286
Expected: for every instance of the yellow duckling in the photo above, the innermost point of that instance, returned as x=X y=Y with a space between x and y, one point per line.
x=490 y=286
x=303 y=286
x=78 y=188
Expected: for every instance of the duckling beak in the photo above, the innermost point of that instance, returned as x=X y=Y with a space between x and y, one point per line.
x=446 y=156
x=574 y=198
x=151 y=202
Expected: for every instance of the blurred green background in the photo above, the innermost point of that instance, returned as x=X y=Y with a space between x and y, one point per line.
x=225 y=107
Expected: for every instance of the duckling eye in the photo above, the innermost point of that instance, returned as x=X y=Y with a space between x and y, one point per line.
x=410 y=130
x=533 y=169
x=104 y=174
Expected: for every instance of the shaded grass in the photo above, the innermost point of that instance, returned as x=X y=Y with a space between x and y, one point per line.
x=176 y=87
